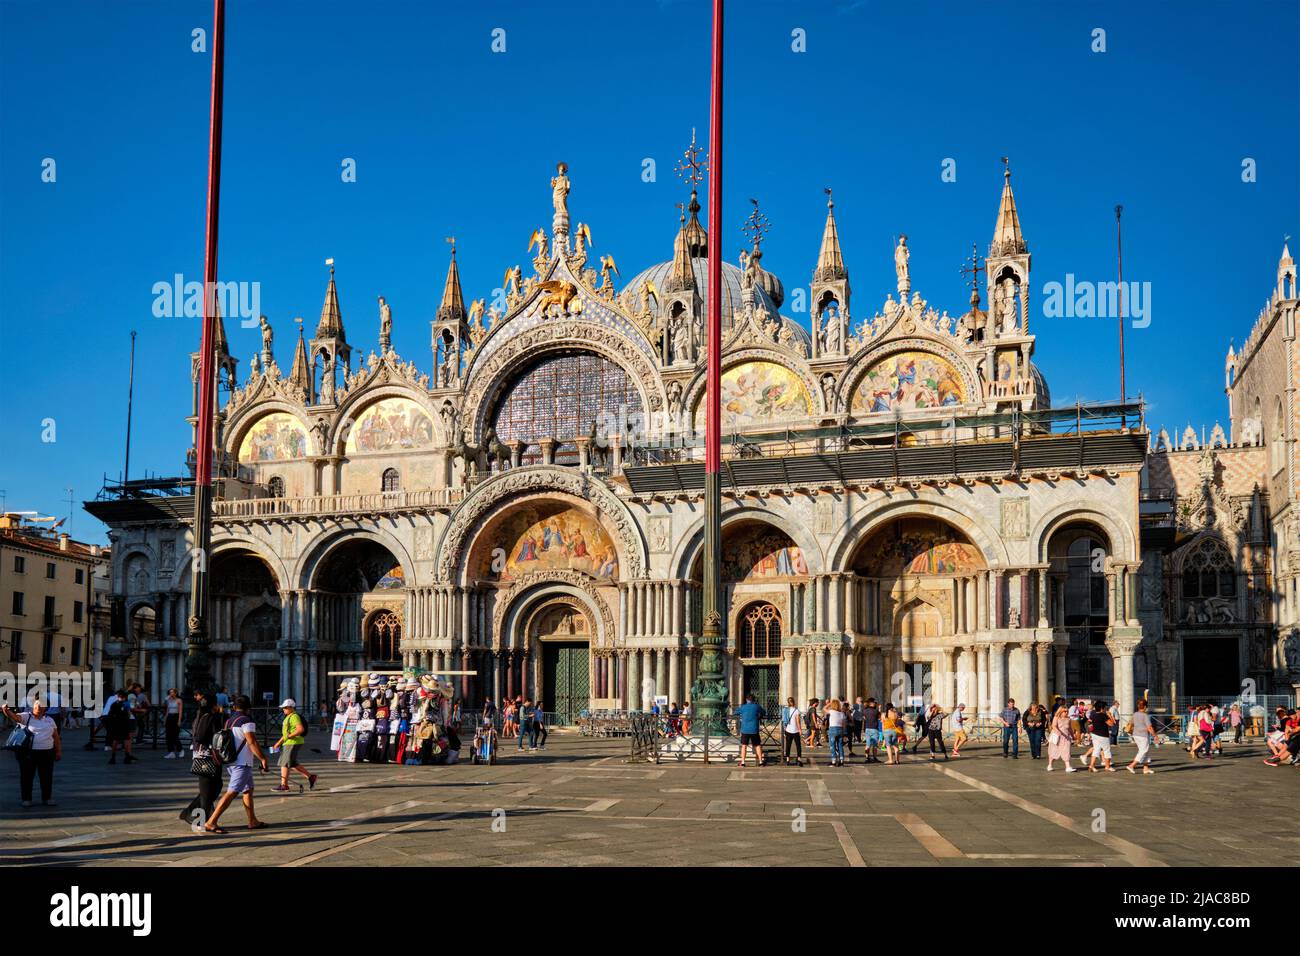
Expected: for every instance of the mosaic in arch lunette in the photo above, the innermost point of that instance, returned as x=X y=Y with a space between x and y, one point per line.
x=276 y=437
x=907 y=381
x=755 y=394
x=548 y=538
x=761 y=552
x=918 y=546
x=391 y=424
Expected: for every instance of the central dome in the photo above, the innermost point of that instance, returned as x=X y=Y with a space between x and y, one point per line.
x=731 y=282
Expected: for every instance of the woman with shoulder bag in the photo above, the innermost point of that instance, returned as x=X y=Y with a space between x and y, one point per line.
x=204 y=766
x=37 y=753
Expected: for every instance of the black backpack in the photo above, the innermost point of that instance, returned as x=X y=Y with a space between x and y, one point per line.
x=224 y=747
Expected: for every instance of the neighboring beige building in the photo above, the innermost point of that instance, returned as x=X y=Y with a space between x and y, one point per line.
x=48 y=599
x=1221 y=527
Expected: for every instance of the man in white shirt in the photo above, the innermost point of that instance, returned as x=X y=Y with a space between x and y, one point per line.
x=248 y=754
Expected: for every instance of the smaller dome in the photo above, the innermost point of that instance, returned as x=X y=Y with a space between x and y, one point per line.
x=770 y=284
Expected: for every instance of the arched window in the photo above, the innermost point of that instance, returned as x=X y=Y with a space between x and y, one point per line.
x=391 y=480
x=276 y=486
x=384 y=637
x=1208 y=571
x=760 y=632
x=560 y=397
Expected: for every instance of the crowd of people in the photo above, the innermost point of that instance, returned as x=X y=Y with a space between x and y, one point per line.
x=885 y=730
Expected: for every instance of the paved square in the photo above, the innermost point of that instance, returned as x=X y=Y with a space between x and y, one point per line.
x=579 y=803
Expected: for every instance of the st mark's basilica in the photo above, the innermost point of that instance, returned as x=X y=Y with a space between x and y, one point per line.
x=904 y=512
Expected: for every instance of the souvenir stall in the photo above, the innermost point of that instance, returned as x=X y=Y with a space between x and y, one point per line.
x=395 y=717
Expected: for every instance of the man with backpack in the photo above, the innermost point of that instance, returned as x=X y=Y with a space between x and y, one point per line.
x=235 y=745
x=293 y=732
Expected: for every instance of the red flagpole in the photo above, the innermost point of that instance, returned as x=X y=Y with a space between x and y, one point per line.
x=197 y=670
x=709 y=692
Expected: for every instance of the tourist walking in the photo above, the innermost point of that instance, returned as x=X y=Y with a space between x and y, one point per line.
x=1059 y=738
x=203 y=764
x=959 y=729
x=751 y=716
x=791 y=732
x=524 y=721
x=846 y=742
x=1010 y=718
x=810 y=720
x=174 y=709
x=539 y=727
x=38 y=754
x=140 y=706
x=293 y=733
x=1237 y=723
x=871 y=730
x=1076 y=720
x=1035 y=726
x=890 y=725
x=1100 y=722
x=1139 y=728
x=118 y=728
x=247 y=755
x=835 y=732
x=934 y=731
x=1113 y=710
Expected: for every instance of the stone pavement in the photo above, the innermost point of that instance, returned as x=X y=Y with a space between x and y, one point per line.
x=580 y=803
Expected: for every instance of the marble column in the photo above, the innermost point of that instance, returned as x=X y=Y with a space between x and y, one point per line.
x=1040 y=669
x=661 y=670
x=837 y=672
x=1058 y=654
x=997 y=676
x=1042 y=598
x=688 y=668
x=634 y=680
x=950 y=678
x=852 y=687
x=674 y=677
x=819 y=673
x=985 y=684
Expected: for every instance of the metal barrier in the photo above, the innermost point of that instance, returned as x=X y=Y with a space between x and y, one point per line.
x=645 y=735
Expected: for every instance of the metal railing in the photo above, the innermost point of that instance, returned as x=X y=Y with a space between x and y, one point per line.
x=371 y=502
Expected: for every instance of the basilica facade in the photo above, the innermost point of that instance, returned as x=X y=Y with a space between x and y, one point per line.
x=904 y=514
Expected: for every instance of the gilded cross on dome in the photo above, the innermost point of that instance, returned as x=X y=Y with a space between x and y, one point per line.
x=691 y=167
x=756 y=226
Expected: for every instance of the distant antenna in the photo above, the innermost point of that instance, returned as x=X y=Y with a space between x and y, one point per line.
x=130 y=394
x=69 y=491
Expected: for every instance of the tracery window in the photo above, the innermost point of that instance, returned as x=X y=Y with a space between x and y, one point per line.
x=760 y=632
x=383 y=637
x=390 y=480
x=1209 y=572
x=559 y=397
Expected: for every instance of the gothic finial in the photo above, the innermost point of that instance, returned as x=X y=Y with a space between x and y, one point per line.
x=1006 y=172
x=756 y=226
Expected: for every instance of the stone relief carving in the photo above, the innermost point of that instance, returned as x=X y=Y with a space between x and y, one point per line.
x=1015 y=518
x=659 y=528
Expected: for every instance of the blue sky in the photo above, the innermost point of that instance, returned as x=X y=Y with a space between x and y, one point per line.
x=452 y=138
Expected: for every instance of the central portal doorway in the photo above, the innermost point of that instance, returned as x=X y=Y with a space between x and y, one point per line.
x=566 y=683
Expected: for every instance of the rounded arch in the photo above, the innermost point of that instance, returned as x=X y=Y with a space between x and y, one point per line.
x=843 y=548
x=488 y=379
x=227 y=545
x=733 y=359
x=248 y=414
x=860 y=365
x=121 y=564
x=515 y=606
x=373 y=391
x=306 y=573
x=493 y=496
x=692 y=543
x=1118 y=535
